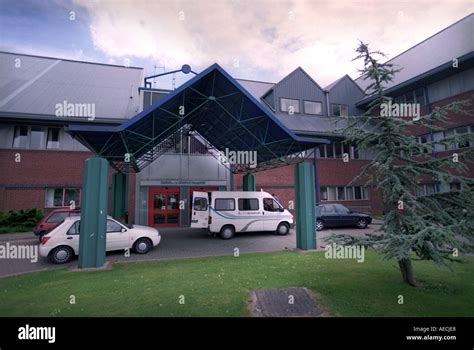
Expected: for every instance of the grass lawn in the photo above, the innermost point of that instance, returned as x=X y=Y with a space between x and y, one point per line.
x=219 y=286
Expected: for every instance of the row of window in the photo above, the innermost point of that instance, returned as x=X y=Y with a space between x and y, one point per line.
x=414 y=96
x=33 y=137
x=62 y=197
x=431 y=188
x=337 y=150
x=311 y=107
x=446 y=134
x=344 y=193
x=244 y=204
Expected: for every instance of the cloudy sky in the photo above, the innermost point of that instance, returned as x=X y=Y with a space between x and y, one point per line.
x=260 y=40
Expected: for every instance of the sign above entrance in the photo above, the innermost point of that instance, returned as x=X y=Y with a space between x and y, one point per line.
x=183 y=183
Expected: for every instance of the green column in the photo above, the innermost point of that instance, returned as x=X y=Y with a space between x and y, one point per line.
x=249 y=183
x=118 y=195
x=93 y=213
x=305 y=206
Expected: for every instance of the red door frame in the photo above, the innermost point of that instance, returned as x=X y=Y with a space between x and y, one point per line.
x=151 y=211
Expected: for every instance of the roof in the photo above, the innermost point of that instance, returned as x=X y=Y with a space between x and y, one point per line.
x=256 y=88
x=455 y=41
x=217 y=107
x=40 y=83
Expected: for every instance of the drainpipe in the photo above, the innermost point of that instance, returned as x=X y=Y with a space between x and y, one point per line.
x=316 y=180
x=428 y=110
x=326 y=93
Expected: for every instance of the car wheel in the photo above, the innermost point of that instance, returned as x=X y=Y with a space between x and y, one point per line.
x=319 y=225
x=282 y=229
x=362 y=223
x=227 y=232
x=61 y=255
x=142 y=246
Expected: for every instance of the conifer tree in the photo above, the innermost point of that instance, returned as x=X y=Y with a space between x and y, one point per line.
x=437 y=226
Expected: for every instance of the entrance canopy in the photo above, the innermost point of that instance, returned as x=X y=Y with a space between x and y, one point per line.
x=212 y=106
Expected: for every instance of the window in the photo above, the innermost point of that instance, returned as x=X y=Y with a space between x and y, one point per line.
x=36 y=137
x=340 y=209
x=323 y=192
x=330 y=151
x=286 y=103
x=57 y=217
x=328 y=209
x=340 y=110
x=225 y=204
x=322 y=151
x=53 y=138
x=341 y=193
x=455 y=186
x=349 y=193
x=426 y=189
x=420 y=96
x=200 y=204
x=423 y=140
x=246 y=204
x=312 y=107
x=331 y=193
x=20 y=138
x=62 y=197
x=269 y=204
x=461 y=131
x=355 y=153
x=338 y=147
x=74 y=229
x=112 y=226
x=410 y=97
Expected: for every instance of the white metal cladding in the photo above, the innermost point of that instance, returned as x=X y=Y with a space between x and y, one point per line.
x=452 y=42
x=39 y=83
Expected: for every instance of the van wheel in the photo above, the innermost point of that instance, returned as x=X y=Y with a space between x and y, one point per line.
x=227 y=232
x=61 y=255
x=282 y=229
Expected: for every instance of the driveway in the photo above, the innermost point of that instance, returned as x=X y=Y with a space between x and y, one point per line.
x=176 y=243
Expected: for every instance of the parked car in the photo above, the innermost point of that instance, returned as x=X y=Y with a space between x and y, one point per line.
x=62 y=243
x=53 y=219
x=337 y=215
x=228 y=212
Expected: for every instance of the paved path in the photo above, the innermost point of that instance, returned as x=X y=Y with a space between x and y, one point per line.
x=176 y=243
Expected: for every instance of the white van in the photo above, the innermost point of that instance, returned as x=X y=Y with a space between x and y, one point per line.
x=227 y=212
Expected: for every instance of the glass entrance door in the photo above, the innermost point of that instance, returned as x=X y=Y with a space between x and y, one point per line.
x=163 y=206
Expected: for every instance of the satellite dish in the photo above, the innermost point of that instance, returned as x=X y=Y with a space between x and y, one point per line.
x=186 y=68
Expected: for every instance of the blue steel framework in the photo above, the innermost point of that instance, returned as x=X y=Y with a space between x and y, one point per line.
x=218 y=108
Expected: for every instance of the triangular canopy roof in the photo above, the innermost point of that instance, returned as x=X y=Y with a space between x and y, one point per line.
x=212 y=104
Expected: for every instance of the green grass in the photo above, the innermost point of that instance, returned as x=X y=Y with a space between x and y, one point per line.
x=219 y=286
x=14 y=229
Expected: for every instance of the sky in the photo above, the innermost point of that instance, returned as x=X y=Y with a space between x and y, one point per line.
x=258 y=40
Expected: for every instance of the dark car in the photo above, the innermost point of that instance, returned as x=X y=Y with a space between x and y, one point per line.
x=53 y=219
x=337 y=215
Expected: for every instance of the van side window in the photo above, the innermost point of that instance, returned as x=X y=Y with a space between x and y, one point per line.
x=269 y=204
x=200 y=204
x=246 y=204
x=224 y=204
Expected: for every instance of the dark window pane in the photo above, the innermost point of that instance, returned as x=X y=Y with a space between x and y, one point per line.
x=20 y=138
x=324 y=193
x=357 y=192
x=72 y=194
x=172 y=218
x=246 y=204
x=225 y=204
x=53 y=138
x=57 y=217
x=338 y=147
x=330 y=151
x=58 y=197
x=159 y=202
x=420 y=96
x=37 y=136
x=200 y=204
x=112 y=226
x=341 y=194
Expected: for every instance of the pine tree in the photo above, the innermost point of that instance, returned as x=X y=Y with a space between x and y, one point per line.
x=433 y=227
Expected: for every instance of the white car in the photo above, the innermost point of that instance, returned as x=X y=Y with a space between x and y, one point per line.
x=62 y=243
